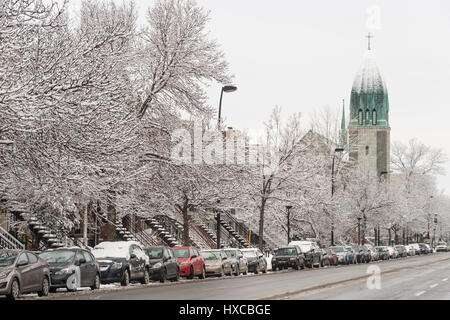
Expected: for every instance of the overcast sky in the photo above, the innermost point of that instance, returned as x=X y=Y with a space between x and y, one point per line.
x=303 y=55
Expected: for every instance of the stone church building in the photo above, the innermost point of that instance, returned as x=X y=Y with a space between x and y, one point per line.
x=368 y=128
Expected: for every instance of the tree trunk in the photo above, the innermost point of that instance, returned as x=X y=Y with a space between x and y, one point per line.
x=261 y=223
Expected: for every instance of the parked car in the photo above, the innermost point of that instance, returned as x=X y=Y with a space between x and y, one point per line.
x=410 y=250
x=358 y=253
x=288 y=257
x=402 y=252
x=21 y=272
x=311 y=251
x=441 y=246
x=256 y=261
x=383 y=253
x=423 y=248
x=216 y=262
x=374 y=254
x=333 y=259
x=72 y=268
x=417 y=248
x=122 y=261
x=393 y=254
x=325 y=261
x=238 y=261
x=342 y=254
x=429 y=249
x=191 y=262
x=365 y=255
x=163 y=264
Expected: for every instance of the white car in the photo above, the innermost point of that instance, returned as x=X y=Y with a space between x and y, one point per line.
x=392 y=252
x=416 y=248
x=441 y=246
x=410 y=250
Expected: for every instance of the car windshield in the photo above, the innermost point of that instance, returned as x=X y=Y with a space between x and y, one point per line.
x=111 y=250
x=210 y=255
x=249 y=253
x=181 y=253
x=58 y=256
x=379 y=249
x=338 y=249
x=286 y=252
x=7 y=258
x=441 y=244
x=154 y=253
x=231 y=253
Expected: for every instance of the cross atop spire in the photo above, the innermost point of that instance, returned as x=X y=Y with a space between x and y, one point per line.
x=369 y=36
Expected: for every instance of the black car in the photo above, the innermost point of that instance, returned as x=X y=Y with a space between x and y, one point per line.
x=359 y=255
x=256 y=261
x=287 y=257
x=122 y=261
x=423 y=248
x=72 y=268
x=163 y=264
x=365 y=255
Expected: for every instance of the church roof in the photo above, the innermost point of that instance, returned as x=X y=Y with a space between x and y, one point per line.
x=368 y=79
x=369 y=93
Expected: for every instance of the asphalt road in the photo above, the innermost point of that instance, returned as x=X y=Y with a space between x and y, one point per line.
x=422 y=277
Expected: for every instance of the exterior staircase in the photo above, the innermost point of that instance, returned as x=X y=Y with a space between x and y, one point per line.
x=155 y=225
x=7 y=241
x=124 y=234
x=242 y=242
x=48 y=238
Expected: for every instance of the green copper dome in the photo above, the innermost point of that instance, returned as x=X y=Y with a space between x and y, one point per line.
x=369 y=103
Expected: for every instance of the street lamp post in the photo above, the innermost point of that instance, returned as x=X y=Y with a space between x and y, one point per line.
x=288 y=208
x=226 y=89
x=332 y=190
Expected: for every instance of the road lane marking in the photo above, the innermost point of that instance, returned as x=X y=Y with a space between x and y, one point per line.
x=419 y=293
x=445 y=279
x=348 y=281
x=433 y=285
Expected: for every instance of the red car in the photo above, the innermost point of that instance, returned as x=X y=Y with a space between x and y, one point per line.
x=191 y=262
x=332 y=256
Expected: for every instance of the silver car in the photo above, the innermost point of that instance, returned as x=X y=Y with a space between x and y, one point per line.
x=342 y=253
x=238 y=261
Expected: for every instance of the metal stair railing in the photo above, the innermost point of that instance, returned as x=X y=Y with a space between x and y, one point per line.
x=140 y=236
x=240 y=239
x=7 y=241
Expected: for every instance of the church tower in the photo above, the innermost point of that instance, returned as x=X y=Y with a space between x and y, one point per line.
x=369 y=131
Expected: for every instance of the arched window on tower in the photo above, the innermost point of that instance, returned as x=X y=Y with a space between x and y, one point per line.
x=367 y=116
x=360 y=117
x=374 y=117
